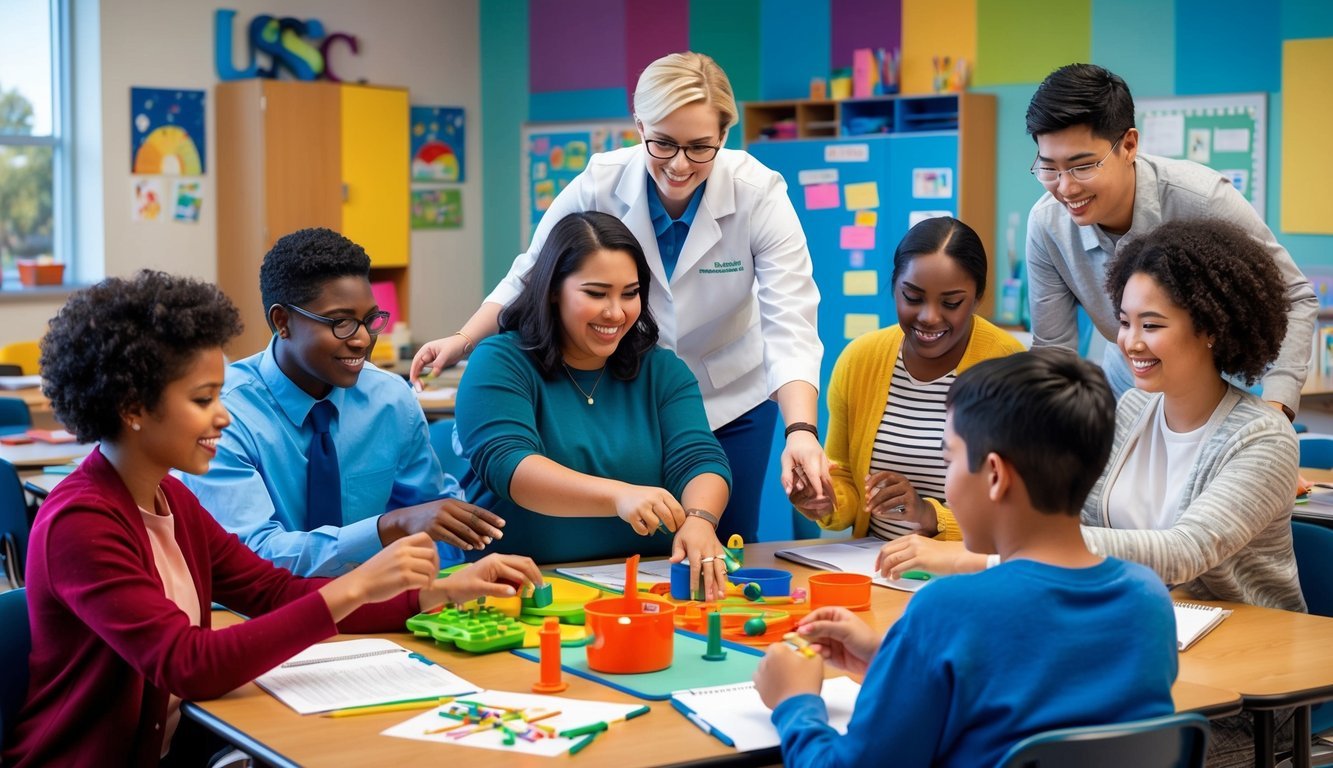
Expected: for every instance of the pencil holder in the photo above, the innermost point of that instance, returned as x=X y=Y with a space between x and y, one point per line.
x=772 y=582
x=630 y=634
x=681 y=589
x=851 y=590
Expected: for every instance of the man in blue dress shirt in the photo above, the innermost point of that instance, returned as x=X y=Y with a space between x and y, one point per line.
x=319 y=504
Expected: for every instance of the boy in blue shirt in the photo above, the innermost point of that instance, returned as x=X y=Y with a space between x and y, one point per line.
x=1053 y=637
x=320 y=504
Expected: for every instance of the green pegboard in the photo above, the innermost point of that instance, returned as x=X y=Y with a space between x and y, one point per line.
x=688 y=668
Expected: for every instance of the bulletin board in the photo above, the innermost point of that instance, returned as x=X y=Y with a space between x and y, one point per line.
x=554 y=153
x=1226 y=133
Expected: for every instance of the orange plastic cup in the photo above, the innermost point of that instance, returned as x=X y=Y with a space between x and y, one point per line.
x=851 y=590
x=631 y=634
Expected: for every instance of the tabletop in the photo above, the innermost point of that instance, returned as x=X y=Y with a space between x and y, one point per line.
x=661 y=738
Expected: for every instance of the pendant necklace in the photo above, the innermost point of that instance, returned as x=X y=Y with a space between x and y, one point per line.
x=589 y=393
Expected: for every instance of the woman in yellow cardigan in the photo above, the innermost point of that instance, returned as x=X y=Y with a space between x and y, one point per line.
x=886 y=396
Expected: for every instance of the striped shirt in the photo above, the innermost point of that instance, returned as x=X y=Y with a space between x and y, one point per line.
x=909 y=440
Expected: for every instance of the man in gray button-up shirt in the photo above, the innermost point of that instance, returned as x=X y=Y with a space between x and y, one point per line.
x=1101 y=194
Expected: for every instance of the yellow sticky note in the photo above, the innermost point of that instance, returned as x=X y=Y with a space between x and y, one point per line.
x=866 y=218
x=854 y=325
x=862 y=195
x=860 y=282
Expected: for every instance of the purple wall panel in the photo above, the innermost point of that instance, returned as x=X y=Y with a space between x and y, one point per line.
x=863 y=24
x=652 y=30
x=575 y=45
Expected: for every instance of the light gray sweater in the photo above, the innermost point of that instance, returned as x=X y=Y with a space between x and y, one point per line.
x=1231 y=538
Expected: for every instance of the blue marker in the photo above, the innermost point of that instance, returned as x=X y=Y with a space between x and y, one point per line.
x=693 y=717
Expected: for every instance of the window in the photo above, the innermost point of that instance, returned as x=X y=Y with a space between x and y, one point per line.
x=30 y=140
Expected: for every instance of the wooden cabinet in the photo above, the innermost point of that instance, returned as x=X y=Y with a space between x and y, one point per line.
x=292 y=155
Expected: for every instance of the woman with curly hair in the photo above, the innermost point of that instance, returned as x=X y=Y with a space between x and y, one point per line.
x=1198 y=486
x=124 y=563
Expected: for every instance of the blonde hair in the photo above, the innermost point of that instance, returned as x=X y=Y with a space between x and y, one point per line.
x=680 y=79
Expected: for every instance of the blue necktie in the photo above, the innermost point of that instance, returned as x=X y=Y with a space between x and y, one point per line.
x=323 y=485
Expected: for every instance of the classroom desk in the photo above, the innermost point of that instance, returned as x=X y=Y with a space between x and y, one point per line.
x=40 y=484
x=262 y=726
x=36 y=455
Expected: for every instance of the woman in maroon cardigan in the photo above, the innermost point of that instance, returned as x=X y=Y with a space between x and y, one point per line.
x=123 y=563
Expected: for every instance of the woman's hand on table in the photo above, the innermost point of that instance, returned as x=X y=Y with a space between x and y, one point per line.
x=697 y=541
x=644 y=508
x=494 y=575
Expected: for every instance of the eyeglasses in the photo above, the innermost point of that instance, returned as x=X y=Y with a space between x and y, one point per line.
x=346 y=327
x=1085 y=172
x=695 y=153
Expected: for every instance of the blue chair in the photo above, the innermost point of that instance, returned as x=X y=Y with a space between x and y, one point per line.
x=14 y=416
x=13 y=523
x=1173 y=741
x=442 y=440
x=15 y=645
x=1316 y=452
x=1314 y=561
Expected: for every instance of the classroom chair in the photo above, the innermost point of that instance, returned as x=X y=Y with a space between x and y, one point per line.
x=25 y=354
x=1316 y=451
x=15 y=644
x=14 y=416
x=1314 y=562
x=1173 y=741
x=13 y=524
x=448 y=449
x=10 y=369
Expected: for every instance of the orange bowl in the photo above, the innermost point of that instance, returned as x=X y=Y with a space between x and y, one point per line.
x=630 y=635
x=851 y=590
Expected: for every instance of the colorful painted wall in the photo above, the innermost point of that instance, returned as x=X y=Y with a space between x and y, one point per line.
x=551 y=60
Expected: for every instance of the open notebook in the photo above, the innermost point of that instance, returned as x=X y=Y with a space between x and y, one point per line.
x=1193 y=621
x=736 y=716
x=851 y=556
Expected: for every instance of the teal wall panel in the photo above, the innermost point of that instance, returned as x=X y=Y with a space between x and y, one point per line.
x=504 y=109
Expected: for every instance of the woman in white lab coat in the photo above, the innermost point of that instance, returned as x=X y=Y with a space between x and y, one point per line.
x=733 y=293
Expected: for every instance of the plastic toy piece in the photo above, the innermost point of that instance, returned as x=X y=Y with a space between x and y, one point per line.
x=550 y=680
x=714 y=651
x=799 y=644
x=736 y=548
x=798 y=595
x=541 y=597
x=752 y=591
x=480 y=630
x=755 y=627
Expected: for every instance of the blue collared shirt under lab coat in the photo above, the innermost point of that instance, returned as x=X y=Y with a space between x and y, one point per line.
x=256 y=485
x=671 y=233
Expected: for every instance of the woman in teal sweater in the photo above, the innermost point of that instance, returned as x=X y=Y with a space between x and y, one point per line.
x=581 y=432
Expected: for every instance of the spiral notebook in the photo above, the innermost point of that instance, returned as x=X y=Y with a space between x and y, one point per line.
x=1193 y=621
x=736 y=716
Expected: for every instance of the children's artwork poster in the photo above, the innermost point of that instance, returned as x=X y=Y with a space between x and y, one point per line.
x=932 y=182
x=166 y=132
x=437 y=143
x=554 y=154
x=146 y=199
x=188 y=198
x=440 y=208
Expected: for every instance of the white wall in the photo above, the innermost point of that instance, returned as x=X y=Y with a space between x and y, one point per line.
x=428 y=46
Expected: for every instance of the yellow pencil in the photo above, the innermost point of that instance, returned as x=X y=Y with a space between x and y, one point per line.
x=398 y=706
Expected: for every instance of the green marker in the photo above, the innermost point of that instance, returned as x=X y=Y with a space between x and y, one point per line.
x=581 y=743
x=915 y=575
x=583 y=730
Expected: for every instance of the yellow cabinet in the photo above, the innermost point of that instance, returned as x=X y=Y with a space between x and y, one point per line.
x=292 y=155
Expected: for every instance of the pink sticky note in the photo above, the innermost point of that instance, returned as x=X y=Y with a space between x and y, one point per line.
x=857 y=238
x=821 y=196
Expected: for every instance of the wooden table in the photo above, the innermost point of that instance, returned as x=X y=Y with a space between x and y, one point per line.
x=36 y=455
x=264 y=727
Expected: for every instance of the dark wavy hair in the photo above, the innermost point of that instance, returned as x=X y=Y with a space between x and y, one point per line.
x=1081 y=94
x=1223 y=278
x=533 y=314
x=1048 y=412
x=296 y=268
x=943 y=233
x=116 y=346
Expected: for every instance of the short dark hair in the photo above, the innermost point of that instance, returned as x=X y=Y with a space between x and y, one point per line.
x=1048 y=412
x=296 y=268
x=1082 y=94
x=117 y=345
x=1223 y=278
x=943 y=233
x=533 y=315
